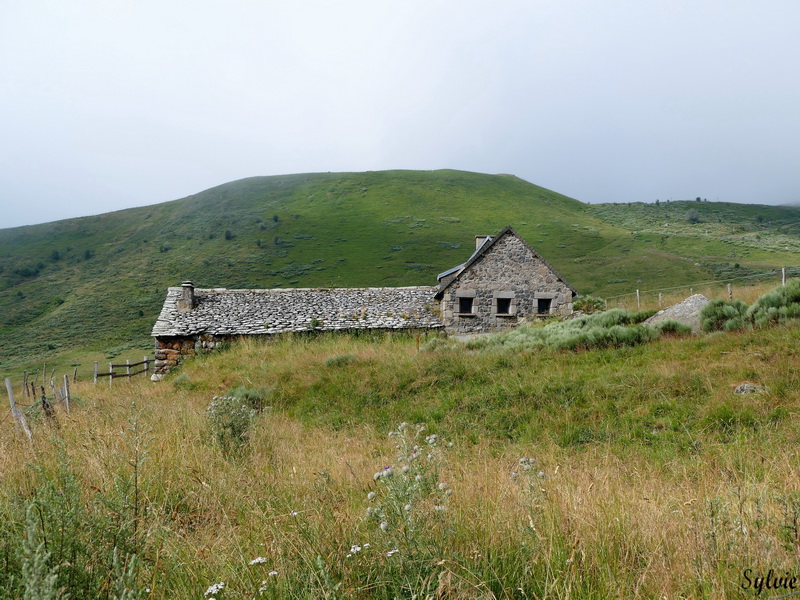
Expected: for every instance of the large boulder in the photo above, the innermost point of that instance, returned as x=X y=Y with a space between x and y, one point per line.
x=686 y=312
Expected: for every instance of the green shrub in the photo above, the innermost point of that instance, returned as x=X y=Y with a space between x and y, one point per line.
x=723 y=315
x=671 y=327
x=230 y=420
x=611 y=328
x=255 y=398
x=589 y=304
x=777 y=306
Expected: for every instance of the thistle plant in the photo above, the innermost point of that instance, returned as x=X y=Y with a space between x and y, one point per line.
x=230 y=420
x=410 y=499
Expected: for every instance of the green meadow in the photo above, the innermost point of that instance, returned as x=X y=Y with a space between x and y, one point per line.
x=395 y=466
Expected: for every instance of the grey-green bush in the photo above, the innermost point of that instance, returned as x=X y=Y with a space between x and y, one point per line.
x=230 y=420
x=777 y=306
x=723 y=315
x=671 y=327
x=589 y=304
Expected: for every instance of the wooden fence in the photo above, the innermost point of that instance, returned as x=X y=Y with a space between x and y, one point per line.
x=61 y=395
x=31 y=399
x=112 y=374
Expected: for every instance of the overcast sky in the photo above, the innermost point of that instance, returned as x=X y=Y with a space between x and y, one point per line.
x=107 y=104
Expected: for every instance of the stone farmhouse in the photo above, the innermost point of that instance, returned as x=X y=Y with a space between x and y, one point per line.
x=503 y=284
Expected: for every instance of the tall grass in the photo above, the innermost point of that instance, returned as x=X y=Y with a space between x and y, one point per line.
x=613 y=473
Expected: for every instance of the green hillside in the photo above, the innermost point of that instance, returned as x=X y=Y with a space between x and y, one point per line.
x=97 y=283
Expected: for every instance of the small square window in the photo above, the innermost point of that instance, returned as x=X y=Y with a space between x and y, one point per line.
x=465 y=305
x=543 y=306
x=504 y=306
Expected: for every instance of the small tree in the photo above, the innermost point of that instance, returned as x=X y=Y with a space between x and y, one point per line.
x=693 y=216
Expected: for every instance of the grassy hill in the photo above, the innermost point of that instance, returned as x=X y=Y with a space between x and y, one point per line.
x=90 y=288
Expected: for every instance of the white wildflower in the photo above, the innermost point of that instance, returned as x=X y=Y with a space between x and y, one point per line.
x=431 y=439
x=448 y=492
x=418 y=478
x=377 y=475
x=366 y=546
x=442 y=485
x=402 y=426
x=407 y=507
x=294 y=513
x=215 y=588
x=406 y=469
x=272 y=573
x=541 y=474
x=258 y=560
x=354 y=549
x=371 y=495
x=384 y=525
x=391 y=553
x=370 y=510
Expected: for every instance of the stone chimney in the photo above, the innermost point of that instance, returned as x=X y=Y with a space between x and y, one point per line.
x=479 y=240
x=186 y=301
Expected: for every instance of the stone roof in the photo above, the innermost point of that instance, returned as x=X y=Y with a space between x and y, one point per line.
x=254 y=312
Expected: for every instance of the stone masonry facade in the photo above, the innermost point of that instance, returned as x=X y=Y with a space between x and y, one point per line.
x=506 y=285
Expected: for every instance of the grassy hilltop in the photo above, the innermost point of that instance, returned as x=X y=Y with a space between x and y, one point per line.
x=90 y=288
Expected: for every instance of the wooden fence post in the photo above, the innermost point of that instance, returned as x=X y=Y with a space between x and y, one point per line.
x=25 y=383
x=110 y=374
x=66 y=392
x=146 y=366
x=47 y=408
x=128 y=367
x=19 y=417
x=75 y=375
x=660 y=298
x=730 y=292
x=638 y=301
x=95 y=372
x=783 y=275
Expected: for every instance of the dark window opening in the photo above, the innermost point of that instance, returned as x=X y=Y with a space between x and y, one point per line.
x=465 y=305
x=543 y=306
x=504 y=306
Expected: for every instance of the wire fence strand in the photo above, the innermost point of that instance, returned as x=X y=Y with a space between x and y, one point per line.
x=709 y=282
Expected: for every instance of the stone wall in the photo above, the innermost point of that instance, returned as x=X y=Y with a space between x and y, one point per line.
x=508 y=270
x=172 y=351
